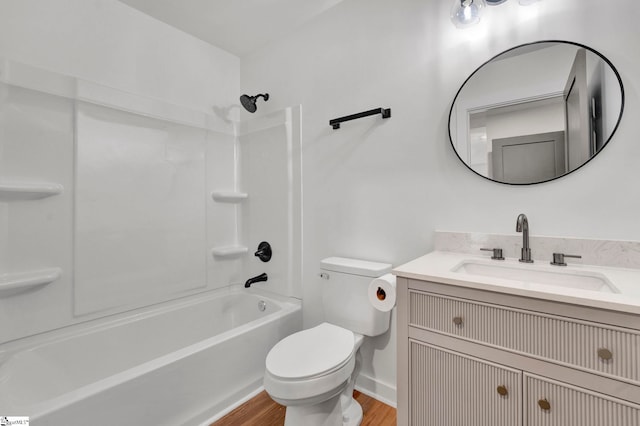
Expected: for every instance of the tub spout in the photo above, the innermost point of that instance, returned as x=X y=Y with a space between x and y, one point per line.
x=261 y=277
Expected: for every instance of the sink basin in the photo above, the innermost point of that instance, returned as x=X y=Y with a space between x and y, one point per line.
x=538 y=274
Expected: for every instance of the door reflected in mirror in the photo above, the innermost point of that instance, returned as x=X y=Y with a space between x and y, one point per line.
x=536 y=112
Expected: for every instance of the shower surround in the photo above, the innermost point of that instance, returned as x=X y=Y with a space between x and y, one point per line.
x=117 y=207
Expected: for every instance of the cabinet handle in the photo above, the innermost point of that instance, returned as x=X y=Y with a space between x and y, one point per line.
x=544 y=404
x=457 y=320
x=605 y=354
x=502 y=390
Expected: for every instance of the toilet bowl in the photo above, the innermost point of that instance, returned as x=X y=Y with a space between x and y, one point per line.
x=311 y=372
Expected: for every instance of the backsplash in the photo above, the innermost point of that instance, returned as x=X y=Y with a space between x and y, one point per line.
x=620 y=254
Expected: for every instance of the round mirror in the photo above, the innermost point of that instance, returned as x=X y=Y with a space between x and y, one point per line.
x=536 y=112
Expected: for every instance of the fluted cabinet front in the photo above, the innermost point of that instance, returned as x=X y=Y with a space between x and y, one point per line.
x=452 y=389
x=550 y=403
x=572 y=342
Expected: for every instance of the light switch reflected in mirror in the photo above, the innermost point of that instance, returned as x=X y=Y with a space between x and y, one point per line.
x=536 y=112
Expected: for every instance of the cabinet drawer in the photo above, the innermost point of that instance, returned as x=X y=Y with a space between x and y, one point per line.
x=609 y=351
x=551 y=403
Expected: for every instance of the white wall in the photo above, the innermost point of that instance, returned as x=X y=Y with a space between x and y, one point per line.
x=377 y=189
x=539 y=119
x=110 y=43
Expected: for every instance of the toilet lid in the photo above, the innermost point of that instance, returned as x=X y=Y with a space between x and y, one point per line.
x=311 y=352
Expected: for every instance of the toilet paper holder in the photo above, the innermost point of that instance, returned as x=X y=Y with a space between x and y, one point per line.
x=382 y=293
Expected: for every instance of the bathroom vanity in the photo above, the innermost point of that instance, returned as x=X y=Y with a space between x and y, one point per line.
x=486 y=342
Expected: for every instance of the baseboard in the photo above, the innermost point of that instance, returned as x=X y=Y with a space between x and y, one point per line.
x=232 y=407
x=378 y=390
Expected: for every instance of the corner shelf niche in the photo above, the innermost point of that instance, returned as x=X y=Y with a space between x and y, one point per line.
x=228 y=251
x=228 y=196
x=16 y=283
x=19 y=191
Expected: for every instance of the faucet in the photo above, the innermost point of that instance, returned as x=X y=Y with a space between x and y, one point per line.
x=522 y=225
x=261 y=277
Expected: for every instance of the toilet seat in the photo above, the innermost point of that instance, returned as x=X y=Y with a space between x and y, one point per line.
x=310 y=353
x=311 y=364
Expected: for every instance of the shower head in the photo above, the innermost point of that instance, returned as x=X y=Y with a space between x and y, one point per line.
x=249 y=102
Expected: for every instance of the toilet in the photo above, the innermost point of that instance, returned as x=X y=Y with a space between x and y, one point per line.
x=312 y=372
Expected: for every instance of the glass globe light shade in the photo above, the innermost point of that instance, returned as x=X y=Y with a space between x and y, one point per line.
x=465 y=13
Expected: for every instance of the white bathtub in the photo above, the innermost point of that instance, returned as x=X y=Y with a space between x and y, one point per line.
x=182 y=363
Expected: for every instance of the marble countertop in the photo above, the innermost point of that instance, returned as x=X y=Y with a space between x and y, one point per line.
x=439 y=266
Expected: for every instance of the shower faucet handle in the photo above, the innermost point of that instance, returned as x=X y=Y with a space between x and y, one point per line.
x=497 y=253
x=264 y=252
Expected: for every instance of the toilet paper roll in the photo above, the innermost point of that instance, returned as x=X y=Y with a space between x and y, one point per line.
x=382 y=292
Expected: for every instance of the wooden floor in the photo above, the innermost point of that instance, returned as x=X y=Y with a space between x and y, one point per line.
x=262 y=410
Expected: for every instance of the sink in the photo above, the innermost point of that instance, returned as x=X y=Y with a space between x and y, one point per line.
x=538 y=274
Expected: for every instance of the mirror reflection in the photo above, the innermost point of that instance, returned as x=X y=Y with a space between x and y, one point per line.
x=536 y=112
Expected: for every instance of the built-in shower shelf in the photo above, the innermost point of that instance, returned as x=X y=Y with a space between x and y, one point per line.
x=228 y=196
x=228 y=251
x=15 y=283
x=16 y=191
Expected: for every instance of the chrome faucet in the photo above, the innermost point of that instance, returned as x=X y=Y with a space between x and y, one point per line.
x=522 y=225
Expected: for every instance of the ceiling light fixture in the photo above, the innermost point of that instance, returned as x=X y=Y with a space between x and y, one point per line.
x=466 y=13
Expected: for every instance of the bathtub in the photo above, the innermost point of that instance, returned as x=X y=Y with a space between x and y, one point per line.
x=182 y=363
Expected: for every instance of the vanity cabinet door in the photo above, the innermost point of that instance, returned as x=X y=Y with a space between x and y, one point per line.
x=448 y=388
x=551 y=403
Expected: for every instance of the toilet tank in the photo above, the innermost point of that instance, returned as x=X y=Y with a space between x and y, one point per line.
x=345 y=283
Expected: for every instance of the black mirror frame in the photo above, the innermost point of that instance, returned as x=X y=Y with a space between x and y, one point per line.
x=615 y=128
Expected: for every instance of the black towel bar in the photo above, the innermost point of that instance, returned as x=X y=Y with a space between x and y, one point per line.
x=335 y=123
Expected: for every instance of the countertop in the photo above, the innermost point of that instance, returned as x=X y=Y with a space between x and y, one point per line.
x=439 y=266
